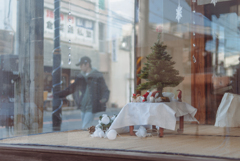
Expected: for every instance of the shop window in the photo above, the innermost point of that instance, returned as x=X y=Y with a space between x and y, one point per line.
x=169 y=73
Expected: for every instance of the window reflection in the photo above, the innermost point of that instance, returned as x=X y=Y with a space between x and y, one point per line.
x=204 y=43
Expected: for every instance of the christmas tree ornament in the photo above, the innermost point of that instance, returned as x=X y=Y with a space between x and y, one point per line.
x=112 y=134
x=159 y=70
x=214 y=2
x=179 y=12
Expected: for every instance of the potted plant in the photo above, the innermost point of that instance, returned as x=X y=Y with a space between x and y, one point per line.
x=159 y=70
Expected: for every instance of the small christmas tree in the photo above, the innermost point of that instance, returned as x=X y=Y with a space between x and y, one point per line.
x=159 y=71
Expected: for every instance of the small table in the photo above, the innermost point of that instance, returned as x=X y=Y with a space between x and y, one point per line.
x=163 y=115
x=180 y=130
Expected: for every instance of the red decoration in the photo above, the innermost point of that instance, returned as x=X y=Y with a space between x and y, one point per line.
x=154 y=93
x=145 y=95
x=134 y=98
x=180 y=95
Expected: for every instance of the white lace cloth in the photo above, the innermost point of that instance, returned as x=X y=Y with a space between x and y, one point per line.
x=163 y=115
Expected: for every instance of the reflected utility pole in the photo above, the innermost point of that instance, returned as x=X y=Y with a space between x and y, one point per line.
x=28 y=92
x=56 y=70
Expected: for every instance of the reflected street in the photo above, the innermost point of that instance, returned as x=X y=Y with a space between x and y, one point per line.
x=71 y=121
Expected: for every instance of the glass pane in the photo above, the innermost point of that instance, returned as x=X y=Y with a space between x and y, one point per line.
x=97 y=68
x=95 y=29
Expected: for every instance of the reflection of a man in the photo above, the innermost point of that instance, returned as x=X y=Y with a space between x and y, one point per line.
x=90 y=91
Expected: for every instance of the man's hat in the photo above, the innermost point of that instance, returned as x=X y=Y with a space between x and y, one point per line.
x=84 y=60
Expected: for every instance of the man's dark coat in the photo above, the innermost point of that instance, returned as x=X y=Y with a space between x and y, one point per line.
x=98 y=91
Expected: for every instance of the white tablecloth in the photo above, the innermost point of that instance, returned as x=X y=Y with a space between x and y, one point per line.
x=229 y=111
x=160 y=114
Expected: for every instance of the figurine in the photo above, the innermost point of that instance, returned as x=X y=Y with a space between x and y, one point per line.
x=134 y=98
x=139 y=99
x=179 y=97
x=145 y=96
x=152 y=99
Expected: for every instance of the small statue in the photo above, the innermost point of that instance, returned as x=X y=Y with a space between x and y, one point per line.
x=134 y=98
x=179 y=97
x=139 y=99
x=152 y=99
x=145 y=96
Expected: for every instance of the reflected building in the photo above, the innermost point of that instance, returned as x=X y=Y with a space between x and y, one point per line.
x=89 y=28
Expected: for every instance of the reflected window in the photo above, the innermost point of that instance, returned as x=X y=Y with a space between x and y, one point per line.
x=70 y=29
x=49 y=25
x=62 y=27
x=81 y=31
x=101 y=37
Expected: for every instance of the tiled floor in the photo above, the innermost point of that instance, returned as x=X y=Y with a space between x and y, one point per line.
x=203 y=140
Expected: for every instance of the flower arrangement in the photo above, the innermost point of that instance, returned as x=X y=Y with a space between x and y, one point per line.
x=105 y=122
x=103 y=125
x=101 y=130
